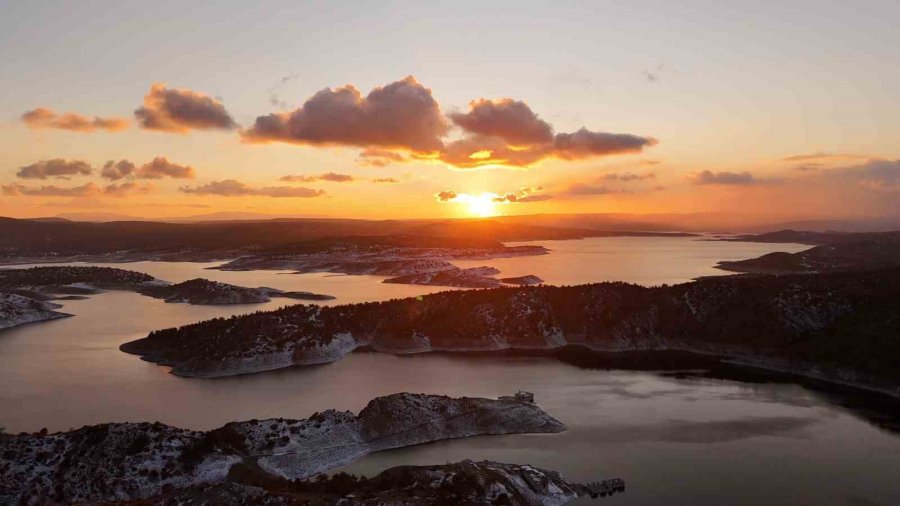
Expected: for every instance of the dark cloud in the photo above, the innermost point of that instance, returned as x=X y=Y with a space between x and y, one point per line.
x=401 y=115
x=181 y=110
x=161 y=167
x=233 y=188
x=57 y=168
x=404 y=116
x=114 y=171
x=508 y=132
x=882 y=175
x=43 y=118
x=627 y=177
x=586 y=144
x=385 y=180
x=708 y=177
x=327 y=176
x=446 y=196
x=511 y=120
x=379 y=157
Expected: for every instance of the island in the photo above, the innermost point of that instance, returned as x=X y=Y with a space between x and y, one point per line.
x=26 y=294
x=204 y=291
x=405 y=259
x=837 y=327
x=130 y=461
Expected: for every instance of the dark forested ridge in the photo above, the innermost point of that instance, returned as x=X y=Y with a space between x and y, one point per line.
x=59 y=276
x=846 y=323
x=35 y=238
x=837 y=252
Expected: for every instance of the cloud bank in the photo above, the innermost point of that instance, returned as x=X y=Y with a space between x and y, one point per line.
x=234 y=188
x=327 y=176
x=85 y=190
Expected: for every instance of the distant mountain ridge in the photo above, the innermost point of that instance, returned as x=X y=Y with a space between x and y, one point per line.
x=612 y=222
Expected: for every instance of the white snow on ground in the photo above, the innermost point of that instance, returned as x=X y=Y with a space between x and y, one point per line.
x=18 y=310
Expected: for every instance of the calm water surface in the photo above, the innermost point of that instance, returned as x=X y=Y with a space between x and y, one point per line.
x=675 y=441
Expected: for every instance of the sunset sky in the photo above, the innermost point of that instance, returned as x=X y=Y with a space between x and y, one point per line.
x=394 y=109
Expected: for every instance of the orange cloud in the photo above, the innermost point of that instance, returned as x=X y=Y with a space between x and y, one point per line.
x=114 y=171
x=385 y=180
x=182 y=110
x=158 y=168
x=85 y=190
x=327 y=176
x=585 y=189
x=44 y=118
x=400 y=115
x=127 y=189
x=379 y=157
x=233 y=188
x=161 y=167
x=523 y=196
x=626 y=177
x=57 y=167
x=820 y=156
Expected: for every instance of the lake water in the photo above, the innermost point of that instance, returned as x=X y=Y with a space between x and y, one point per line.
x=693 y=440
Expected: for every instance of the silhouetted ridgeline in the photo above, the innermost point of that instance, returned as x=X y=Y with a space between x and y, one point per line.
x=841 y=327
x=186 y=241
x=839 y=252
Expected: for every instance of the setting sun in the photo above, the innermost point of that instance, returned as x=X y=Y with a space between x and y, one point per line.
x=482 y=205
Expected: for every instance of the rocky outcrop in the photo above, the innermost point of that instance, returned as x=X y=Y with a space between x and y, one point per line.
x=18 y=310
x=840 y=325
x=464 y=483
x=123 y=461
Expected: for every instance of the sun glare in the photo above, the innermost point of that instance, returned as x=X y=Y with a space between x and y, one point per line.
x=482 y=205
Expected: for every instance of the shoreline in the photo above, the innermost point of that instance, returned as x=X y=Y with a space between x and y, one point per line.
x=799 y=371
